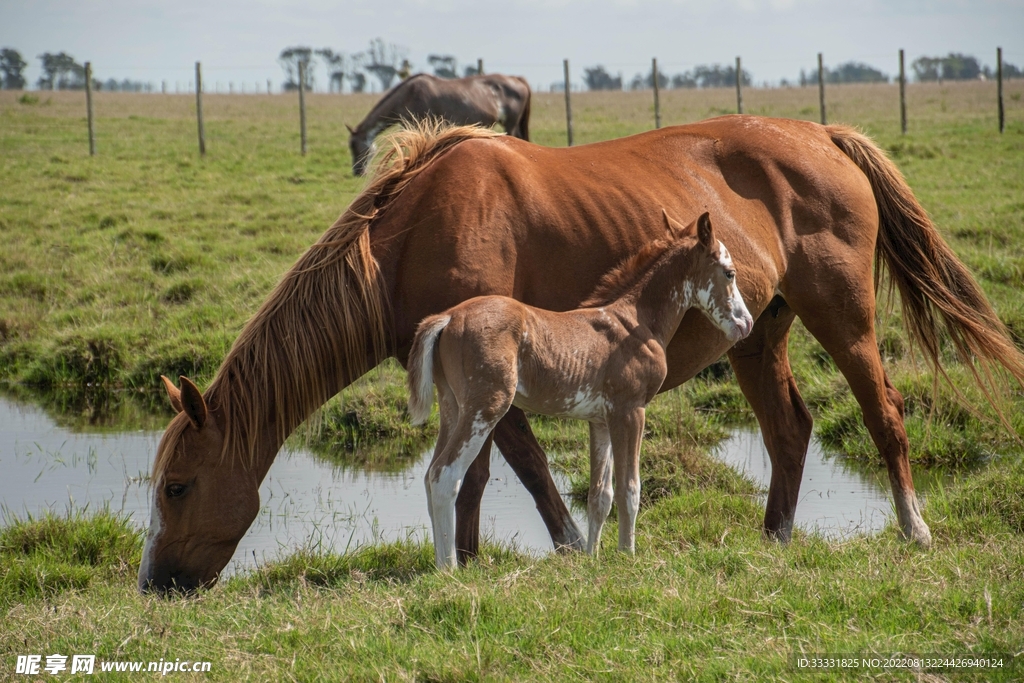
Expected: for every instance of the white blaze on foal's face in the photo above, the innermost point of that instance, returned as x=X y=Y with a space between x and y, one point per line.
x=720 y=297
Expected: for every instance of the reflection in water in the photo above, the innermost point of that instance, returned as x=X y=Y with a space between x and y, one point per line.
x=306 y=500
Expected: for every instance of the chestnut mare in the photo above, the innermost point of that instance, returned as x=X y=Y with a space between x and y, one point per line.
x=805 y=209
x=602 y=363
x=484 y=100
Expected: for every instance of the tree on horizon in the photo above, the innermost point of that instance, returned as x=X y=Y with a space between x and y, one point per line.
x=12 y=69
x=289 y=59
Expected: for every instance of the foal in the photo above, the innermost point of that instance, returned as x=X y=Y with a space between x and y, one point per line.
x=602 y=364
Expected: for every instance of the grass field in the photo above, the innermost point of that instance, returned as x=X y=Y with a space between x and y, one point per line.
x=147 y=259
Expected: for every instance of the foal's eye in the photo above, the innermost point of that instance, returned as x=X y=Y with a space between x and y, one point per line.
x=730 y=275
x=175 y=490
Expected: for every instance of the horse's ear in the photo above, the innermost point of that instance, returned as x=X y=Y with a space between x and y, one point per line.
x=172 y=393
x=706 y=233
x=350 y=129
x=673 y=227
x=192 y=403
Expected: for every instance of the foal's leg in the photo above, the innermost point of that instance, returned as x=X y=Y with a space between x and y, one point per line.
x=448 y=416
x=517 y=443
x=446 y=473
x=761 y=363
x=626 y=432
x=599 y=499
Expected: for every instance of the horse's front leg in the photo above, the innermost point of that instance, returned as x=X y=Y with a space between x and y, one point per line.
x=626 y=432
x=519 y=446
x=467 y=505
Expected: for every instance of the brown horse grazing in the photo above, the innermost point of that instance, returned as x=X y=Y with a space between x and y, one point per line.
x=484 y=100
x=805 y=209
x=603 y=364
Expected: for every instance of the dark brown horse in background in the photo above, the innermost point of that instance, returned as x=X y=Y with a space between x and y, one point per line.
x=806 y=210
x=483 y=100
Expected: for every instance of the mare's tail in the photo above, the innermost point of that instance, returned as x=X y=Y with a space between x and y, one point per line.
x=421 y=367
x=936 y=289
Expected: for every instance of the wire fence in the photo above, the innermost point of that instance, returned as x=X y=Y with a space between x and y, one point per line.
x=810 y=98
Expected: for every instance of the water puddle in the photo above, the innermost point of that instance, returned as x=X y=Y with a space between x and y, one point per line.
x=305 y=500
x=839 y=497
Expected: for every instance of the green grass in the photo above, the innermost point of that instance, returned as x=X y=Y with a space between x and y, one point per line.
x=147 y=260
x=705 y=598
x=42 y=557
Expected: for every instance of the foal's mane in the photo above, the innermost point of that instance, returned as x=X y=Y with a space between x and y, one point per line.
x=627 y=273
x=324 y=324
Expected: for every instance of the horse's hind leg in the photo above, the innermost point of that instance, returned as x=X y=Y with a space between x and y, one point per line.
x=849 y=337
x=761 y=363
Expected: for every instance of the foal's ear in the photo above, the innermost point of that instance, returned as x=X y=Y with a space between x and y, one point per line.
x=172 y=393
x=350 y=129
x=192 y=403
x=706 y=233
x=674 y=228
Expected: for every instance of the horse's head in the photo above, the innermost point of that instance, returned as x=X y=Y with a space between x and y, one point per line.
x=715 y=290
x=203 y=500
x=361 y=146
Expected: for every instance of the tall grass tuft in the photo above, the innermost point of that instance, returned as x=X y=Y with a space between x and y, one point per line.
x=44 y=556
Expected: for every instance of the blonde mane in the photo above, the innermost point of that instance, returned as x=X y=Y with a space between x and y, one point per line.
x=325 y=323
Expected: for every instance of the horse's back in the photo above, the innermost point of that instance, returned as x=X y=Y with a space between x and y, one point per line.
x=542 y=225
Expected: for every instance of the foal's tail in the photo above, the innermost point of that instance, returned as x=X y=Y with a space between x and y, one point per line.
x=421 y=366
x=936 y=289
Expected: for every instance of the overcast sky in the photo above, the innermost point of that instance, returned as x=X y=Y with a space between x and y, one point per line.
x=239 y=40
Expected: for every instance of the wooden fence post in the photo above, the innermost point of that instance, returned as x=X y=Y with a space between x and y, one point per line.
x=302 y=104
x=480 y=66
x=199 y=109
x=903 y=96
x=999 y=80
x=739 y=84
x=568 y=102
x=821 y=90
x=657 y=104
x=88 y=107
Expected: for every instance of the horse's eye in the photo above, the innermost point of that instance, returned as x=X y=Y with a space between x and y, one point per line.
x=730 y=274
x=175 y=490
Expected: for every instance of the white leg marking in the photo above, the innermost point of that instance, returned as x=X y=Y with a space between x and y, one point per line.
x=443 y=483
x=909 y=516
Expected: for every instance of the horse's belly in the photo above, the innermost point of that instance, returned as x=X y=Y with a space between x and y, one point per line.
x=583 y=404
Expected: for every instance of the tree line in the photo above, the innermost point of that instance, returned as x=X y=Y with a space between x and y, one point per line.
x=381 y=60
x=387 y=61
x=60 y=72
x=953 y=67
